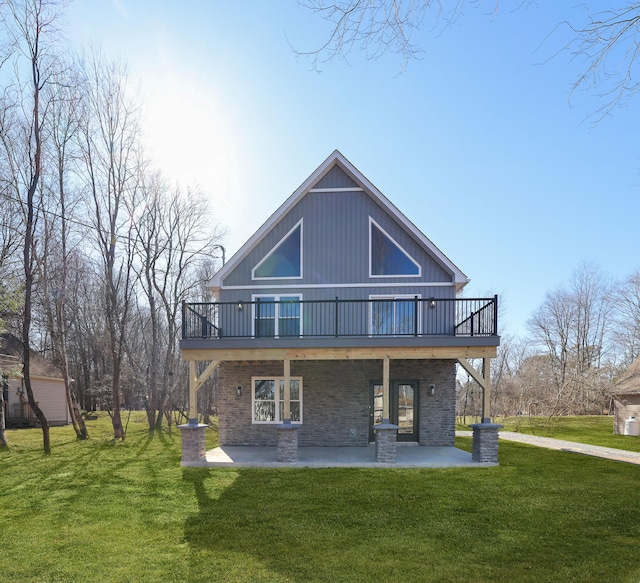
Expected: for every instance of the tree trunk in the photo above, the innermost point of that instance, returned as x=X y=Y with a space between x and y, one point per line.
x=3 y=436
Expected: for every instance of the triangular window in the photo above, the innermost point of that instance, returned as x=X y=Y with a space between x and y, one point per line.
x=285 y=259
x=387 y=257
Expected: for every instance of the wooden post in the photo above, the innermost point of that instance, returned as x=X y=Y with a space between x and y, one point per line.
x=486 y=390
x=195 y=382
x=287 y=391
x=385 y=390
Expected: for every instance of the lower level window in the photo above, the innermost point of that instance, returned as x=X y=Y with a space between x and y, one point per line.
x=268 y=397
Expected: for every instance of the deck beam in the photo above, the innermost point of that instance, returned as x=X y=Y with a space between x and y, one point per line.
x=333 y=353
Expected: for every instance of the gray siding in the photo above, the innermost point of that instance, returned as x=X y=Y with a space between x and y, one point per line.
x=336 y=243
x=336 y=400
x=336 y=178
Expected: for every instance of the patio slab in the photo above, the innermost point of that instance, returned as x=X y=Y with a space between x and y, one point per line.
x=408 y=456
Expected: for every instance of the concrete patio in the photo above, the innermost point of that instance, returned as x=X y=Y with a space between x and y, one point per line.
x=408 y=456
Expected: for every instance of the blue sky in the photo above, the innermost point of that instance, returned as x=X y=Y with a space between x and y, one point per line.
x=477 y=142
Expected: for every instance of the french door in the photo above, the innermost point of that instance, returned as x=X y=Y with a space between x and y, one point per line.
x=403 y=408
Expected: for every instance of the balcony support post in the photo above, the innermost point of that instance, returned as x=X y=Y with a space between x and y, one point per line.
x=195 y=382
x=486 y=390
x=385 y=390
x=287 y=391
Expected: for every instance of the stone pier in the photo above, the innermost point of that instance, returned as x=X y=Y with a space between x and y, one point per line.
x=386 y=443
x=288 y=443
x=485 y=442
x=193 y=444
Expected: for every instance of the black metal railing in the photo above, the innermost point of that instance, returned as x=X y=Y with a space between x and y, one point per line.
x=341 y=318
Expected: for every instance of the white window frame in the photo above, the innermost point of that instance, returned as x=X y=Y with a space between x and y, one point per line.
x=395 y=297
x=371 y=275
x=276 y=313
x=268 y=254
x=277 y=401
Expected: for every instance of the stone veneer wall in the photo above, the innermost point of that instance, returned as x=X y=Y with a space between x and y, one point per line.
x=336 y=401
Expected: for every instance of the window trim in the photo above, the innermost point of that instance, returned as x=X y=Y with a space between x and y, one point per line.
x=395 y=297
x=276 y=313
x=372 y=222
x=254 y=277
x=276 y=380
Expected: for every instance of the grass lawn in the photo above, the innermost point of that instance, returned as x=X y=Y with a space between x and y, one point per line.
x=594 y=430
x=103 y=511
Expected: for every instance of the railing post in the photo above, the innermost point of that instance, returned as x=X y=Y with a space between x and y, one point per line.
x=415 y=316
x=495 y=314
x=336 y=328
x=471 y=320
x=184 y=319
x=257 y=317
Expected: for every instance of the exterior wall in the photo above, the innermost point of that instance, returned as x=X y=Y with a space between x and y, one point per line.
x=336 y=401
x=336 y=244
x=48 y=393
x=624 y=407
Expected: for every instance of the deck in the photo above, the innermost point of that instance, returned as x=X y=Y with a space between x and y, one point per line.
x=313 y=327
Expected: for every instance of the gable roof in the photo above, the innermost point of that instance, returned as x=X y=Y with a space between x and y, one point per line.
x=629 y=381
x=337 y=159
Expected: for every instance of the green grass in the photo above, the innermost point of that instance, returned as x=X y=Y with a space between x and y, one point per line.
x=594 y=430
x=102 y=511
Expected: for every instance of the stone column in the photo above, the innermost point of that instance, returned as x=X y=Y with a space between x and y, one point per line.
x=288 y=443
x=485 y=442
x=193 y=444
x=386 y=442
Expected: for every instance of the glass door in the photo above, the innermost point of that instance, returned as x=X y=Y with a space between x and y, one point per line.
x=403 y=408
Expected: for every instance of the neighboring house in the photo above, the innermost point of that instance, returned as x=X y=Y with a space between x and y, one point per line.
x=337 y=322
x=46 y=381
x=626 y=400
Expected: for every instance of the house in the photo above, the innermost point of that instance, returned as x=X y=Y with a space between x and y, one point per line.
x=338 y=323
x=46 y=381
x=626 y=401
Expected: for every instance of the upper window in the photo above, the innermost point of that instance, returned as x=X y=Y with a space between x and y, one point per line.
x=276 y=316
x=386 y=257
x=395 y=315
x=284 y=260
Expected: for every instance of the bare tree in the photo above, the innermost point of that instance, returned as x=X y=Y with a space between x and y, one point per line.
x=609 y=47
x=606 y=42
x=376 y=27
x=174 y=241
x=626 y=301
x=58 y=257
x=110 y=148
x=31 y=26
x=572 y=325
